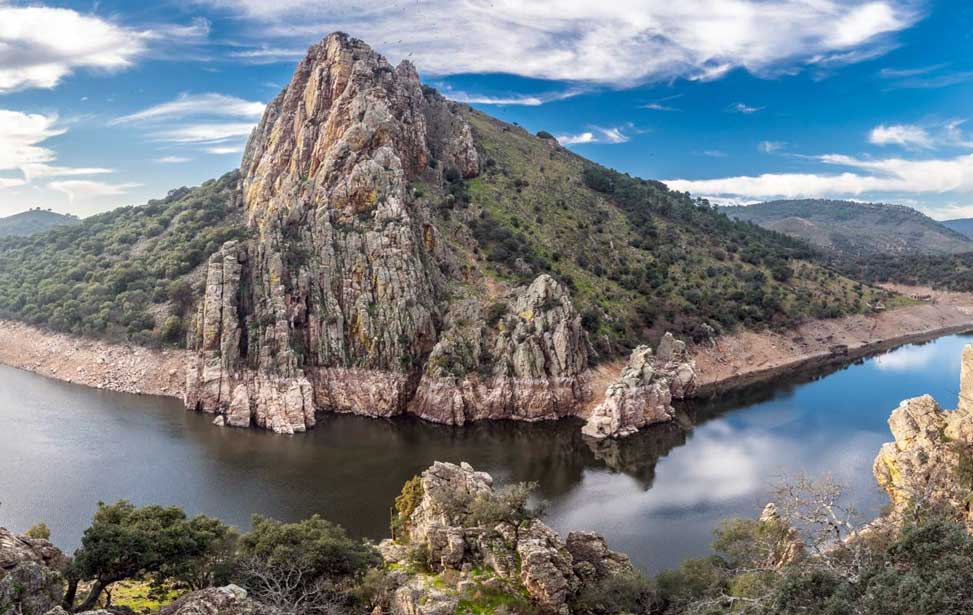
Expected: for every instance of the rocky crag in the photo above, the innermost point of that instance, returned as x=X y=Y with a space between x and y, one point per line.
x=517 y=556
x=350 y=297
x=930 y=463
x=644 y=391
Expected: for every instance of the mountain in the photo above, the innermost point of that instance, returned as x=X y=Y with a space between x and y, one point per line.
x=384 y=250
x=961 y=225
x=855 y=229
x=33 y=221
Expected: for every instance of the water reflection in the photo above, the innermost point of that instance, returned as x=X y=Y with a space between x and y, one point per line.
x=656 y=495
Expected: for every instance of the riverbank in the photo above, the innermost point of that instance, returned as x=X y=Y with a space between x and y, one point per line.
x=733 y=361
x=749 y=357
x=103 y=365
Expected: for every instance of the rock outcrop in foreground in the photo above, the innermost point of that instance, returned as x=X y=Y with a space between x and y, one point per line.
x=350 y=296
x=30 y=579
x=930 y=463
x=517 y=556
x=643 y=393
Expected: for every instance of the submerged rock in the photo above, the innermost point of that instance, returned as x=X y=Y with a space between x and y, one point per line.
x=644 y=391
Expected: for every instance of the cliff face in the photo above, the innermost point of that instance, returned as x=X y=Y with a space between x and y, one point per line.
x=929 y=463
x=350 y=298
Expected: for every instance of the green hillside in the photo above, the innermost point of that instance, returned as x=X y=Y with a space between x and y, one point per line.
x=639 y=259
x=124 y=274
x=853 y=230
x=33 y=221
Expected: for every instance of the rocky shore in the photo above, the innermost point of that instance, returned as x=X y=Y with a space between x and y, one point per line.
x=125 y=368
x=731 y=361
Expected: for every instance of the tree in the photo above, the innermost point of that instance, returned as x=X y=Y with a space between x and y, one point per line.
x=127 y=542
x=302 y=567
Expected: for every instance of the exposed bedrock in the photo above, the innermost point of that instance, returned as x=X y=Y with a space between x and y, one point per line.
x=644 y=391
x=345 y=299
x=929 y=461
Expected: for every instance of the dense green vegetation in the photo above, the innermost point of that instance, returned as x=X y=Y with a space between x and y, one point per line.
x=640 y=259
x=34 y=221
x=855 y=230
x=124 y=274
x=953 y=272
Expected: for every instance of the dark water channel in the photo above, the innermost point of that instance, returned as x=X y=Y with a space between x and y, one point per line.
x=657 y=495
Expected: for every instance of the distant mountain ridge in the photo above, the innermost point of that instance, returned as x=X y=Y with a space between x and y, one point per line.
x=853 y=229
x=960 y=225
x=34 y=221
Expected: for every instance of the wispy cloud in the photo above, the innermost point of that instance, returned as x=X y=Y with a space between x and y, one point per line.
x=597 y=134
x=196 y=126
x=204 y=132
x=269 y=55
x=899 y=73
x=714 y=153
x=527 y=100
x=618 y=43
x=185 y=105
x=889 y=175
x=744 y=108
x=771 y=147
x=224 y=150
x=23 y=149
x=84 y=190
x=906 y=135
x=173 y=159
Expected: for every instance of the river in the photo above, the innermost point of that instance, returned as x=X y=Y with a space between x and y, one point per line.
x=657 y=495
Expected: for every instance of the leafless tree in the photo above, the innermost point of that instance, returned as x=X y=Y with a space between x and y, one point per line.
x=289 y=588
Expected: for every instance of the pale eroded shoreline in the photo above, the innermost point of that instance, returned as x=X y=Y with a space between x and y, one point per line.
x=735 y=360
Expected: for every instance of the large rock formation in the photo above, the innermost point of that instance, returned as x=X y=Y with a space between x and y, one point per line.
x=930 y=463
x=644 y=391
x=30 y=578
x=523 y=556
x=347 y=297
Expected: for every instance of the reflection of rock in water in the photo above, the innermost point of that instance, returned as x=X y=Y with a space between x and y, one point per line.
x=638 y=454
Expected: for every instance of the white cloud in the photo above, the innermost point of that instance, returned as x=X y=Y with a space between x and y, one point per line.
x=744 y=108
x=906 y=135
x=21 y=148
x=714 y=153
x=269 y=55
x=204 y=132
x=595 y=135
x=619 y=43
x=770 y=147
x=172 y=159
x=658 y=107
x=197 y=105
x=222 y=150
x=890 y=175
x=527 y=100
x=39 y=45
x=84 y=190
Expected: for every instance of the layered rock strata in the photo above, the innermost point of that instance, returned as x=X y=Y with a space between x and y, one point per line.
x=644 y=391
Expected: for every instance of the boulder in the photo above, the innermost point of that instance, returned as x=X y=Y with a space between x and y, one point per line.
x=228 y=600
x=30 y=588
x=643 y=393
x=918 y=467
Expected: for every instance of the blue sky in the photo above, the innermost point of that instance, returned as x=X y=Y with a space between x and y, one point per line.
x=111 y=103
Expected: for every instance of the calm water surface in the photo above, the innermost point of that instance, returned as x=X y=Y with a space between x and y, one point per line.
x=657 y=495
